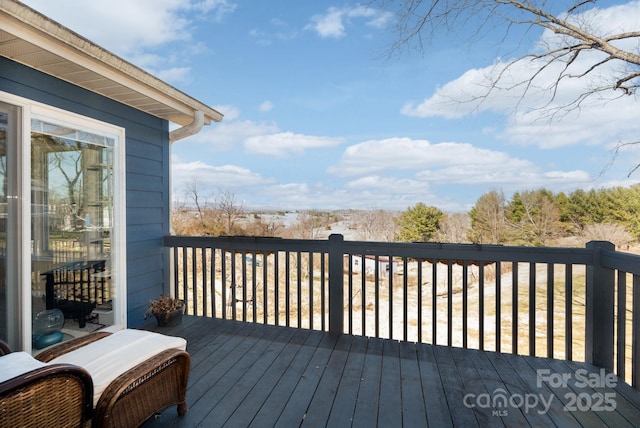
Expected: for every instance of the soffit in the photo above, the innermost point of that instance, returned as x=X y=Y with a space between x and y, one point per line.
x=34 y=40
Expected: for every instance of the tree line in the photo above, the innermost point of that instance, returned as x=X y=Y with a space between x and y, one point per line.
x=533 y=217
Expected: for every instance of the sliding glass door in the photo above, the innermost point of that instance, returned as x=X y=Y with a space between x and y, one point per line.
x=61 y=231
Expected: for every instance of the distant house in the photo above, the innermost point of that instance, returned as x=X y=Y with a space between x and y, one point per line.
x=385 y=265
x=84 y=175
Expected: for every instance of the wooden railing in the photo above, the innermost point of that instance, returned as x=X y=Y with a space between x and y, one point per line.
x=568 y=303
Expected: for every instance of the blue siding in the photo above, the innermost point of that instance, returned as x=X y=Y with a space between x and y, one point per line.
x=147 y=152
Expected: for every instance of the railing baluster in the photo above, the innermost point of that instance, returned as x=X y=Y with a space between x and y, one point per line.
x=310 y=270
x=532 y=309
x=635 y=328
x=377 y=298
x=194 y=280
x=363 y=277
x=405 y=296
x=223 y=264
x=481 y=305
x=265 y=287
x=254 y=285
x=498 y=296
x=243 y=262
x=550 y=297
x=419 y=300
x=203 y=257
x=176 y=272
x=465 y=304
x=514 y=308
x=568 y=322
x=323 y=287
x=622 y=323
x=234 y=285
x=449 y=302
x=350 y=292
x=213 y=283
x=287 y=288
x=276 y=287
x=390 y=279
x=434 y=298
x=184 y=278
x=299 y=288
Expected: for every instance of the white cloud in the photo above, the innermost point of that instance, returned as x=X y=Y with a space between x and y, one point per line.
x=366 y=193
x=331 y=24
x=328 y=25
x=257 y=138
x=282 y=144
x=594 y=124
x=381 y=21
x=261 y=37
x=227 y=177
x=447 y=164
x=217 y=8
x=463 y=96
x=278 y=30
x=408 y=154
x=227 y=134
x=266 y=106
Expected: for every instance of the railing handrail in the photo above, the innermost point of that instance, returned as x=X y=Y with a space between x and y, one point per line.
x=621 y=261
x=423 y=250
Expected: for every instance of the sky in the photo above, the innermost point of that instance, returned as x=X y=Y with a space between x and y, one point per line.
x=319 y=115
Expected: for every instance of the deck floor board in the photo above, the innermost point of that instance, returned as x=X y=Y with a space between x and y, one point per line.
x=346 y=396
x=245 y=374
x=367 y=402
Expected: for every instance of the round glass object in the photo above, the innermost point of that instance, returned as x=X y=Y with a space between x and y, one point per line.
x=49 y=321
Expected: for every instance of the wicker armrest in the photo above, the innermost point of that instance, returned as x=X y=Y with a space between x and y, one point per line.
x=4 y=348
x=149 y=387
x=70 y=345
x=58 y=395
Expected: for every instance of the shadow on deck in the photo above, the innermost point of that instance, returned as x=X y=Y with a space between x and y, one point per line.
x=246 y=375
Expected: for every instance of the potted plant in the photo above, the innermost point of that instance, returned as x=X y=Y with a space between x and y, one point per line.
x=167 y=310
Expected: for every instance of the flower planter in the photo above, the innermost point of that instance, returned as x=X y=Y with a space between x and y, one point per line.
x=171 y=319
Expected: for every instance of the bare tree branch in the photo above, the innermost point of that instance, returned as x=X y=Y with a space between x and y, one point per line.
x=571 y=46
x=419 y=20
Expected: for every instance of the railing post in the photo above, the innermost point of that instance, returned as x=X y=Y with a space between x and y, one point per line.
x=336 y=284
x=600 y=287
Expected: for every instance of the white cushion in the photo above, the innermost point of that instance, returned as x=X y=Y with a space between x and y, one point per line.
x=16 y=364
x=108 y=358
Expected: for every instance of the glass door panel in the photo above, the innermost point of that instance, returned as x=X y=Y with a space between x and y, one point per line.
x=71 y=228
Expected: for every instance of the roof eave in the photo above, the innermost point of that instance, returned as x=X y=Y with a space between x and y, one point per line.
x=36 y=29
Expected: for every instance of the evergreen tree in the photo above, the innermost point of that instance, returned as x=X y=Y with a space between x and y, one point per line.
x=419 y=223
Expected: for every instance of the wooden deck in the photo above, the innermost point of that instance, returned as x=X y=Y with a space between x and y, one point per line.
x=248 y=375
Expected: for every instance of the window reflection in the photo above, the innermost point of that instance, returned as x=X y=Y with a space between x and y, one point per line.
x=71 y=224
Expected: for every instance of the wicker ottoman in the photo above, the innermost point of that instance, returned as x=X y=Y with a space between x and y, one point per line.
x=135 y=373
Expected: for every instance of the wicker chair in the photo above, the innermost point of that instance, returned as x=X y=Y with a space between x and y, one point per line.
x=138 y=393
x=54 y=395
